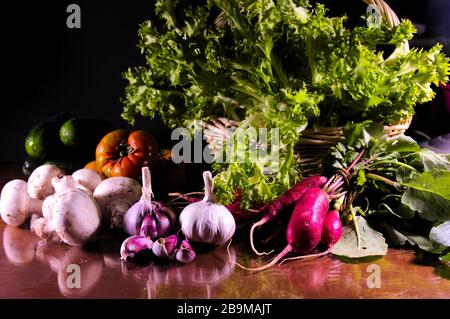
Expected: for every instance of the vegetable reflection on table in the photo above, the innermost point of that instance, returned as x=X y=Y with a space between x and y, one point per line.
x=19 y=245
x=199 y=278
x=60 y=258
x=210 y=274
x=23 y=248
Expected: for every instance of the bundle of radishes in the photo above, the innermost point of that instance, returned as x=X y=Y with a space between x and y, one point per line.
x=315 y=217
x=311 y=221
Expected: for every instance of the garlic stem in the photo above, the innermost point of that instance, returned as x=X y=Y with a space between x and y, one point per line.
x=147 y=192
x=207 y=180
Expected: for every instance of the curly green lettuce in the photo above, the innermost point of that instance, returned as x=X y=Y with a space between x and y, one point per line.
x=274 y=64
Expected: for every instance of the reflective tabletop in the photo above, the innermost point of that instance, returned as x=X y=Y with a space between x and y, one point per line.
x=32 y=268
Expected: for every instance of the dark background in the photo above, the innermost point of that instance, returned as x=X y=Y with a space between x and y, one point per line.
x=48 y=68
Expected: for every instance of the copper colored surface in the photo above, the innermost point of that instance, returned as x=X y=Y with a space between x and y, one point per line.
x=30 y=268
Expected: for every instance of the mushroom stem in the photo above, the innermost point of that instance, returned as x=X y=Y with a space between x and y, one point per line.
x=34 y=207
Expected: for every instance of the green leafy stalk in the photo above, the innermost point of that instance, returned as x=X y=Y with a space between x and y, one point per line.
x=408 y=188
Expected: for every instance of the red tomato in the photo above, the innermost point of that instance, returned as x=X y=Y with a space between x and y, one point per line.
x=124 y=153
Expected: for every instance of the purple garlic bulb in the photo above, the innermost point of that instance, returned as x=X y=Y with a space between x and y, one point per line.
x=148 y=217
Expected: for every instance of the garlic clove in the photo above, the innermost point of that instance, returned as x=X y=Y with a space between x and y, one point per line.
x=164 y=225
x=149 y=227
x=165 y=247
x=136 y=249
x=155 y=225
x=185 y=254
x=134 y=217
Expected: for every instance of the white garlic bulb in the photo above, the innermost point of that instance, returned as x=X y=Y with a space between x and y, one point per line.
x=207 y=221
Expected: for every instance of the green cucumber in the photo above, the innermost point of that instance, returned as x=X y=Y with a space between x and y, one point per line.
x=84 y=134
x=43 y=142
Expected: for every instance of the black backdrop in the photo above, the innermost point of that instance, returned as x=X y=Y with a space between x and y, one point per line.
x=48 y=68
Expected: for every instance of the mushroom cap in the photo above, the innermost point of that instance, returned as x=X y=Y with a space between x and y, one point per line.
x=87 y=178
x=40 y=181
x=63 y=183
x=14 y=202
x=117 y=189
x=76 y=216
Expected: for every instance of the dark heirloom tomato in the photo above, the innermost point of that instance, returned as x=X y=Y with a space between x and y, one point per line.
x=124 y=153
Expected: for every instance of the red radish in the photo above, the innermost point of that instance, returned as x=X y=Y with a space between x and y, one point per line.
x=305 y=227
x=331 y=233
x=332 y=228
x=304 y=230
x=287 y=199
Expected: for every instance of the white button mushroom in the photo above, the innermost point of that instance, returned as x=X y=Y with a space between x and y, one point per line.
x=77 y=216
x=116 y=195
x=71 y=214
x=45 y=227
x=15 y=203
x=40 y=181
x=87 y=178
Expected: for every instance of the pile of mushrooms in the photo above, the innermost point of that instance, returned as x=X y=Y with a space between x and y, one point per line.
x=70 y=214
x=68 y=208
